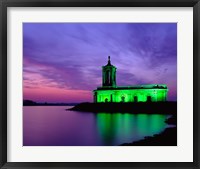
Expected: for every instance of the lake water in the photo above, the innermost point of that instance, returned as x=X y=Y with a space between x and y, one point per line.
x=56 y=126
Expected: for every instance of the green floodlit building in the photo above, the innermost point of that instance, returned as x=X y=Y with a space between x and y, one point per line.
x=110 y=92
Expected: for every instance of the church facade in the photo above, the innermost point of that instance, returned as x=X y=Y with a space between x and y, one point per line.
x=110 y=92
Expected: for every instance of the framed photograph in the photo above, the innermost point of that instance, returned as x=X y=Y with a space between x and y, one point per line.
x=99 y=84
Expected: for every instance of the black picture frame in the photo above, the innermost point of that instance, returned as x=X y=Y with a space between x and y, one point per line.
x=4 y=4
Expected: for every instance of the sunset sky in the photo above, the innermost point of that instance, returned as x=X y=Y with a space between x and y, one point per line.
x=62 y=61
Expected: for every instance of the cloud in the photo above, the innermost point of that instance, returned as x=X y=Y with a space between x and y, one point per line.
x=69 y=56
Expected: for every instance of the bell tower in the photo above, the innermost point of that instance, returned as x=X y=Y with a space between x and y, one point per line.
x=109 y=75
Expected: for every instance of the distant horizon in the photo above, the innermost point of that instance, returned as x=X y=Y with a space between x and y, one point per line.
x=62 y=61
x=53 y=102
x=69 y=102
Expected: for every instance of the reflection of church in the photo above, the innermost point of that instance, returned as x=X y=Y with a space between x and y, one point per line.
x=110 y=92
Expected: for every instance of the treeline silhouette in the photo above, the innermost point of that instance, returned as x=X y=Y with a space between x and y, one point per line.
x=33 y=103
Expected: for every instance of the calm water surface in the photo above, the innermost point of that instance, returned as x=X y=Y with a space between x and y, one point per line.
x=54 y=126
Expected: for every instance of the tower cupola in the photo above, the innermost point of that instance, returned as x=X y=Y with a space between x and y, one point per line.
x=109 y=74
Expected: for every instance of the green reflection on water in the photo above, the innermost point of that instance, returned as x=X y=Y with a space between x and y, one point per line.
x=117 y=128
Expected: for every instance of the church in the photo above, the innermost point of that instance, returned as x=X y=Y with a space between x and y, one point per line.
x=110 y=92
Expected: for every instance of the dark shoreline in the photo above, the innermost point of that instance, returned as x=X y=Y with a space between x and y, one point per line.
x=136 y=108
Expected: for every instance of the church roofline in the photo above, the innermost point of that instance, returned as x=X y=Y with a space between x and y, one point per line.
x=150 y=86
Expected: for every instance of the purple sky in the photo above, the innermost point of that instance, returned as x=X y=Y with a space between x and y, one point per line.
x=62 y=61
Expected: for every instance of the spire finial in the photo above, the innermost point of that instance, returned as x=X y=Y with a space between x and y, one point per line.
x=109 y=60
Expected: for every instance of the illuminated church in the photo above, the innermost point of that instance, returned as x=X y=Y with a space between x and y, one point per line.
x=110 y=92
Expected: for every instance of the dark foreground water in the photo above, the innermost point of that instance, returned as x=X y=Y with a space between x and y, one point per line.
x=54 y=126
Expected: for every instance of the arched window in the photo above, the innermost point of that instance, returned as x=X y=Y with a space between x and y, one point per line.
x=108 y=77
x=123 y=99
x=135 y=99
x=149 y=99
